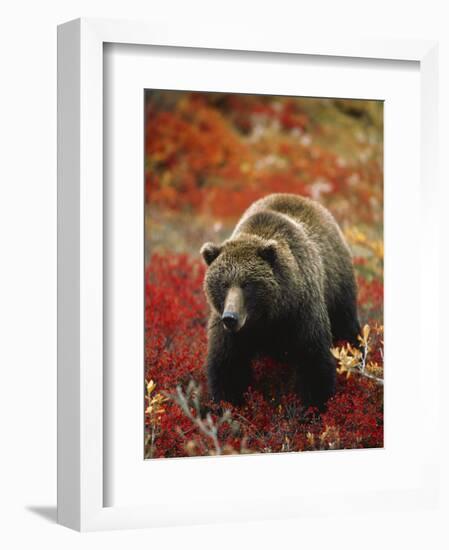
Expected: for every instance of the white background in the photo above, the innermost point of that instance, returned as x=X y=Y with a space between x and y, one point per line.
x=28 y=273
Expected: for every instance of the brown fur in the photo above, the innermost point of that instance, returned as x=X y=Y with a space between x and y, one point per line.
x=290 y=260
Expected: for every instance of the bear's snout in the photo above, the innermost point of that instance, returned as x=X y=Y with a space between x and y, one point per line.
x=234 y=314
x=230 y=320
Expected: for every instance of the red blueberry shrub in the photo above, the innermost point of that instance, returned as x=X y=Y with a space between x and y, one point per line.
x=272 y=420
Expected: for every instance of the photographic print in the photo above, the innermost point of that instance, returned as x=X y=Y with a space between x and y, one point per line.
x=263 y=274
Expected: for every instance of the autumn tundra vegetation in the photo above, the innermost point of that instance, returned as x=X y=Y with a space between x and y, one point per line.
x=208 y=156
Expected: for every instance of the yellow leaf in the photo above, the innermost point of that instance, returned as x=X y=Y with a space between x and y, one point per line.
x=150 y=386
x=365 y=332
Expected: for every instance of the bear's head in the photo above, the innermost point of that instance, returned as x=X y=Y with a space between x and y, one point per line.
x=241 y=282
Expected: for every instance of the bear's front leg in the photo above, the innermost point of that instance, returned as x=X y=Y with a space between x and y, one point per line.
x=316 y=375
x=228 y=364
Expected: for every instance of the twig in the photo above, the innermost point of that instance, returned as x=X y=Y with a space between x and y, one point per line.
x=372 y=377
x=207 y=427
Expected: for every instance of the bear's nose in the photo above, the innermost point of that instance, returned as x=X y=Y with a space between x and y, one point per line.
x=230 y=320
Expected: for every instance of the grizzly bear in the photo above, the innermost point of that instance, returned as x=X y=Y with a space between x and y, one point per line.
x=282 y=286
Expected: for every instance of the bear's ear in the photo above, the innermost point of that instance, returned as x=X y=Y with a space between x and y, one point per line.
x=209 y=252
x=268 y=252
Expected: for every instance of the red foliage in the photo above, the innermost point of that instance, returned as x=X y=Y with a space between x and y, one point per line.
x=216 y=153
x=272 y=420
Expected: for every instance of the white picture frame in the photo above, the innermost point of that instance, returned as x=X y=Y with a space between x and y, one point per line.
x=81 y=386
